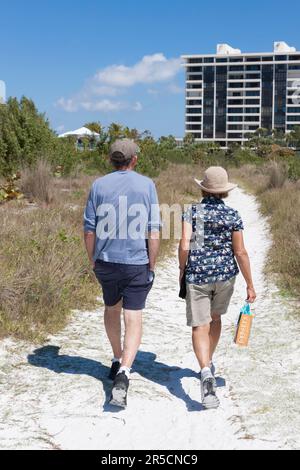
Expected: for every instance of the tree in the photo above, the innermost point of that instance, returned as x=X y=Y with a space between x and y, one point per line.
x=94 y=127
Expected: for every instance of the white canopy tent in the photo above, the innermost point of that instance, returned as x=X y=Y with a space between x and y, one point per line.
x=82 y=132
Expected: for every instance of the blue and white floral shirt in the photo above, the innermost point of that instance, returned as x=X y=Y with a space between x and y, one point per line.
x=211 y=258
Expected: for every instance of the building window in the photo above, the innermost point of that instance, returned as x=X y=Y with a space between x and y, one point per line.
x=252 y=110
x=195 y=60
x=194 y=119
x=236 y=68
x=221 y=101
x=235 y=118
x=235 y=110
x=251 y=101
x=194 y=86
x=234 y=135
x=237 y=102
x=267 y=97
x=280 y=96
x=252 y=93
x=295 y=118
x=253 y=59
x=194 y=77
x=235 y=127
x=194 y=69
x=208 y=102
x=193 y=127
x=253 y=67
x=194 y=110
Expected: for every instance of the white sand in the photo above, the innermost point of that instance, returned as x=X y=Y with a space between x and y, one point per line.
x=48 y=402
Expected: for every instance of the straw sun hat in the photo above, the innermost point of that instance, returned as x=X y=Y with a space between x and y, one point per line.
x=216 y=181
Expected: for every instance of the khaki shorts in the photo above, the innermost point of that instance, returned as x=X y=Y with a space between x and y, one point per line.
x=207 y=299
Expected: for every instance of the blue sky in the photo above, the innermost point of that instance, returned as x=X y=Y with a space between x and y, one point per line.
x=119 y=61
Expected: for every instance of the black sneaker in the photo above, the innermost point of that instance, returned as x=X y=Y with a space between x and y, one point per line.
x=119 y=391
x=114 y=370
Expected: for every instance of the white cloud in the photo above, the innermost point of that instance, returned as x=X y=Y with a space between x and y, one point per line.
x=151 y=69
x=114 y=80
x=72 y=105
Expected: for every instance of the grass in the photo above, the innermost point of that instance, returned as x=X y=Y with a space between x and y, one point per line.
x=279 y=200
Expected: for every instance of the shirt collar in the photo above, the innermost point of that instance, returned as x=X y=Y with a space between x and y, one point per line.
x=213 y=200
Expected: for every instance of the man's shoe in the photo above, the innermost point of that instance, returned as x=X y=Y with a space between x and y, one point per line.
x=114 y=370
x=208 y=392
x=119 y=391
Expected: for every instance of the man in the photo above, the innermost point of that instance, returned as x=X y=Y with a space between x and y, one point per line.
x=211 y=264
x=121 y=225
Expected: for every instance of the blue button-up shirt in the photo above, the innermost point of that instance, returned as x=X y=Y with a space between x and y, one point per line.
x=213 y=259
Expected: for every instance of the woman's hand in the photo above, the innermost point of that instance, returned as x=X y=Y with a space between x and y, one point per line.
x=251 y=295
x=181 y=274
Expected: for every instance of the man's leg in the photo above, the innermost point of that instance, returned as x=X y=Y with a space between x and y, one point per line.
x=133 y=336
x=132 y=341
x=201 y=343
x=215 y=333
x=112 y=320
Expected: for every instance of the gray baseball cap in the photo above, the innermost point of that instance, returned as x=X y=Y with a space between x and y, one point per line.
x=123 y=150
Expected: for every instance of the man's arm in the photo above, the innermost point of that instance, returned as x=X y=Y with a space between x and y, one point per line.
x=90 y=241
x=90 y=217
x=153 y=247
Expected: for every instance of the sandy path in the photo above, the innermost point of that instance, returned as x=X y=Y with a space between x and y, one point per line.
x=50 y=402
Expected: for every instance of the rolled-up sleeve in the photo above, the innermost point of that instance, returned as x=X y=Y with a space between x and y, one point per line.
x=154 y=222
x=238 y=225
x=90 y=213
x=187 y=216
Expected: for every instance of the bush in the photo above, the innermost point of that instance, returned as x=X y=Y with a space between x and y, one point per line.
x=37 y=182
x=277 y=175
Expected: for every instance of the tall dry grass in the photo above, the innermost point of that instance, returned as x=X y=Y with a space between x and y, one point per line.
x=280 y=202
x=37 y=182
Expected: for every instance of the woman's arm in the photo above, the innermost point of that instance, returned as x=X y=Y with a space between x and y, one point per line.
x=184 y=247
x=243 y=260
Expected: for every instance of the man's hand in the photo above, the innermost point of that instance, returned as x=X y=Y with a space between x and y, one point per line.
x=251 y=295
x=93 y=264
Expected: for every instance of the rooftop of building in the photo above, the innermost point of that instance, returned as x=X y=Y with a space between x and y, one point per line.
x=225 y=50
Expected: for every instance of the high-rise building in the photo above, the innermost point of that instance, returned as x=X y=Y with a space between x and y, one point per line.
x=231 y=94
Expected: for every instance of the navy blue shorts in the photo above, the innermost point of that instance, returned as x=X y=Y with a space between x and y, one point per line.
x=128 y=283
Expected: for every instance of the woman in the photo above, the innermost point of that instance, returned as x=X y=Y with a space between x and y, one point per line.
x=210 y=251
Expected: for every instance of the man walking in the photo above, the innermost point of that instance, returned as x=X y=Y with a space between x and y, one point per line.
x=121 y=225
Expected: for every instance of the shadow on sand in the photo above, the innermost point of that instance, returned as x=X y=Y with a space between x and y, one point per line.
x=145 y=365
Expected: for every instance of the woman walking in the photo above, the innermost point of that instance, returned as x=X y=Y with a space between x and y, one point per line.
x=211 y=249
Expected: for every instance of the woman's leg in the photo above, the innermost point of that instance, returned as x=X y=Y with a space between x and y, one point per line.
x=215 y=333
x=202 y=345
